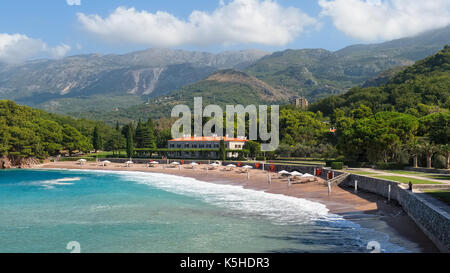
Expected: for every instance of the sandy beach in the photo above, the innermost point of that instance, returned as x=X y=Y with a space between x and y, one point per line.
x=368 y=210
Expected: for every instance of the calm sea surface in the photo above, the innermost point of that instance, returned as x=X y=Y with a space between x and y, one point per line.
x=42 y=211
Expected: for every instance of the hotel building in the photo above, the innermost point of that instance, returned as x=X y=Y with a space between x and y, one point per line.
x=206 y=143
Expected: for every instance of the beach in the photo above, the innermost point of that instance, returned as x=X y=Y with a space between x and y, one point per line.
x=365 y=209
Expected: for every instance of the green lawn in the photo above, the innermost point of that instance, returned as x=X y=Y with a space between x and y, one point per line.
x=427 y=175
x=405 y=180
x=443 y=195
x=405 y=172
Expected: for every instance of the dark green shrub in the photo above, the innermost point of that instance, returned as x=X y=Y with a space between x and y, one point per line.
x=439 y=162
x=337 y=165
x=357 y=164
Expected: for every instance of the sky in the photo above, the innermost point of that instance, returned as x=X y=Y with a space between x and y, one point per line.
x=58 y=28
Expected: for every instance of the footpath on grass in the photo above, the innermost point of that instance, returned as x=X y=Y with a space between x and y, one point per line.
x=416 y=177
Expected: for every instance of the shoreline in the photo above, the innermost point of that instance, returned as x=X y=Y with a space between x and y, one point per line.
x=366 y=209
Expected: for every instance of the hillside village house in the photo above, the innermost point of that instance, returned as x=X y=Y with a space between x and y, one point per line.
x=207 y=143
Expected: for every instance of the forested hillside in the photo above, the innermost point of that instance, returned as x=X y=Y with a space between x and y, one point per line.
x=417 y=90
x=27 y=132
x=406 y=121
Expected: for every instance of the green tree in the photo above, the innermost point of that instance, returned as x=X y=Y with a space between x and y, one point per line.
x=445 y=151
x=145 y=135
x=429 y=150
x=117 y=126
x=162 y=138
x=222 y=150
x=97 y=140
x=130 y=143
x=436 y=127
x=141 y=135
x=378 y=138
x=253 y=147
x=4 y=138
x=74 y=140
x=116 y=142
x=414 y=149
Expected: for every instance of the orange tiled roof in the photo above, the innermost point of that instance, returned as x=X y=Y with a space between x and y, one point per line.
x=208 y=139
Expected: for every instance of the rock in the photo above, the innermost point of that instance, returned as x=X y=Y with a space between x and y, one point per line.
x=5 y=163
x=24 y=163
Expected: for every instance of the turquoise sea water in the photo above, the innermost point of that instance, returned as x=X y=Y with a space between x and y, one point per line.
x=42 y=211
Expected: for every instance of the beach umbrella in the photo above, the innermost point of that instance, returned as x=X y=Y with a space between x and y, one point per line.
x=283 y=172
x=129 y=162
x=194 y=164
x=154 y=162
x=82 y=161
x=247 y=167
x=214 y=165
x=295 y=173
x=175 y=163
x=306 y=175
x=231 y=166
x=106 y=162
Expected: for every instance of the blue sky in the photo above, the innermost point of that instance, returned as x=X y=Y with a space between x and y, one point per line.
x=55 y=28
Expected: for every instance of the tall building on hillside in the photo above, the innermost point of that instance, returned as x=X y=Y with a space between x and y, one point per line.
x=300 y=102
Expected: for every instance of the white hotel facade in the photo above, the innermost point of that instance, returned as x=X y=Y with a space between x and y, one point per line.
x=208 y=143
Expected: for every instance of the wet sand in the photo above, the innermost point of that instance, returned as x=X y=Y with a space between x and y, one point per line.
x=368 y=210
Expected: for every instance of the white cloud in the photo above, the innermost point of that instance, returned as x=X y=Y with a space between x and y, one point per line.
x=372 y=20
x=18 y=48
x=73 y=2
x=233 y=22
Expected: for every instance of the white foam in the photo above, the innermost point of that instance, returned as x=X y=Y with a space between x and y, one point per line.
x=50 y=184
x=280 y=209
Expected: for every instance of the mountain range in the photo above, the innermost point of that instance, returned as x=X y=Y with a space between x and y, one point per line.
x=149 y=81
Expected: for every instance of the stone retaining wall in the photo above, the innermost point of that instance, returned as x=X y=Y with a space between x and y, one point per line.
x=434 y=221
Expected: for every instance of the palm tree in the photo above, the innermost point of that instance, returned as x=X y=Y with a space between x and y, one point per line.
x=429 y=150
x=445 y=151
x=414 y=148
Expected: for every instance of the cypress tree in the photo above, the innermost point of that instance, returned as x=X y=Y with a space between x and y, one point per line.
x=151 y=134
x=130 y=143
x=97 y=141
x=222 y=150
x=140 y=135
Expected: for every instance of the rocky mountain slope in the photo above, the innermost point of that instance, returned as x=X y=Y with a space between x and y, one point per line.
x=146 y=73
x=318 y=73
x=94 y=85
